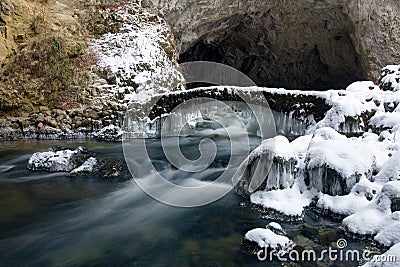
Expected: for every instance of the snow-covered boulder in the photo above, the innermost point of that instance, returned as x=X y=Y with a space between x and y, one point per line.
x=87 y=167
x=384 y=121
x=58 y=159
x=389 y=235
x=360 y=197
x=351 y=109
x=110 y=133
x=378 y=218
x=266 y=239
x=390 y=194
x=276 y=228
x=290 y=201
x=390 y=171
x=388 y=259
x=366 y=222
x=270 y=166
x=342 y=205
x=335 y=163
x=390 y=78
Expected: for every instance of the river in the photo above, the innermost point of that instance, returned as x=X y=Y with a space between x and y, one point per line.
x=55 y=220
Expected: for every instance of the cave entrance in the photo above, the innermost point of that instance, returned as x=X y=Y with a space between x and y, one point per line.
x=313 y=54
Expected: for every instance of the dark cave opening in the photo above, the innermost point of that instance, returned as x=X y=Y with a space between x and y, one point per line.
x=318 y=57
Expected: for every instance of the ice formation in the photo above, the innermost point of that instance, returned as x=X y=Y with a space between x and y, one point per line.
x=355 y=177
x=334 y=164
x=270 y=166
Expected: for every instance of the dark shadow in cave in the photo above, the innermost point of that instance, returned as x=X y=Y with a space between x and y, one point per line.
x=309 y=60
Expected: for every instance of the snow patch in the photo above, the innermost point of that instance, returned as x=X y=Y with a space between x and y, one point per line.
x=289 y=201
x=265 y=238
x=87 y=166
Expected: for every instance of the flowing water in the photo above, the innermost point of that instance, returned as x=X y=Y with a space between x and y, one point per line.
x=54 y=220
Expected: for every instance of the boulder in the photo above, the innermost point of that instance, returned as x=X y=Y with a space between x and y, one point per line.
x=389 y=197
x=390 y=78
x=261 y=238
x=335 y=163
x=58 y=159
x=110 y=133
x=270 y=166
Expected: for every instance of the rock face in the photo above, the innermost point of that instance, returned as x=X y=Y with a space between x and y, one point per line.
x=9 y=25
x=292 y=44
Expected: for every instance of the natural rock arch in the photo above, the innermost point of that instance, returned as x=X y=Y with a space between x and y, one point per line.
x=292 y=44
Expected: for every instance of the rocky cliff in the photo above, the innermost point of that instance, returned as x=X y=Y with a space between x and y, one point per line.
x=293 y=44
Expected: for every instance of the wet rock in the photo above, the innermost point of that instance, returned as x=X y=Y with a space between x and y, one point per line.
x=395 y=205
x=309 y=230
x=327 y=235
x=107 y=168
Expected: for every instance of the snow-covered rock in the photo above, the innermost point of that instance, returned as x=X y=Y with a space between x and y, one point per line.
x=390 y=78
x=110 y=133
x=366 y=222
x=86 y=167
x=270 y=166
x=265 y=238
x=139 y=60
x=351 y=108
x=274 y=226
x=390 y=234
x=335 y=163
x=342 y=205
x=385 y=120
x=290 y=201
x=361 y=195
x=390 y=258
x=377 y=218
x=58 y=160
x=390 y=192
x=390 y=171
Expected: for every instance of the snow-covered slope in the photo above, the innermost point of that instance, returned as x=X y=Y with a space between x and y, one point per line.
x=139 y=60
